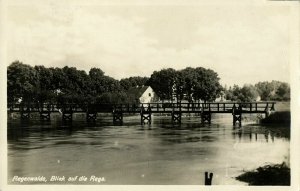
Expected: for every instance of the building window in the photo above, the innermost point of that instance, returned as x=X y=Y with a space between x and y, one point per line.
x=149 y=94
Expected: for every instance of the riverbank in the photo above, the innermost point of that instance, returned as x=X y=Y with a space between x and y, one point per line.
x=282 y=115
x=278 y=174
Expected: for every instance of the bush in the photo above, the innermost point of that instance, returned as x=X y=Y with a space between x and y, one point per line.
x=283 y=117
x=278 y=174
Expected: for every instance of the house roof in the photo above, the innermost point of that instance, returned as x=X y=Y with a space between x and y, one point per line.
x=137 y=91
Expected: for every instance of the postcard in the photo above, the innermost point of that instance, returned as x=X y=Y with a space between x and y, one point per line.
x=164 y=95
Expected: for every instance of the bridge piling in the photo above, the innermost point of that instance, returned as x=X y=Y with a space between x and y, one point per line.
x=67 y=113
x=146 y=115
x=118 y=117
x=67 y=116
x=45 y=112
x=25 y=115
x=237 y=115
x=91 y=113
x=145 y=118
x=91 y=116
x=176 y=117
x=25 y=112
x=45 y=115
x=208 y=179
x=205 y=117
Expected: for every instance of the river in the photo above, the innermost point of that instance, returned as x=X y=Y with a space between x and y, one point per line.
x=132 y=154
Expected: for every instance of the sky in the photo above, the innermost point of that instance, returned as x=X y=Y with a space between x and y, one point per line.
x=242 y=43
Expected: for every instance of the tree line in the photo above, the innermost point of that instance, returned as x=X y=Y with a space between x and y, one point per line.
x=39 y=84
x=266 y=91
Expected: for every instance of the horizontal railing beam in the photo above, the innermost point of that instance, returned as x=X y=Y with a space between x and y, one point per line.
x=157 y=107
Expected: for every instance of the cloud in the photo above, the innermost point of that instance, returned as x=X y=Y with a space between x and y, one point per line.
x=243 y=45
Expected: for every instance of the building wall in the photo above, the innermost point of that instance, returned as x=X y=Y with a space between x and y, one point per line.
x=148 y=96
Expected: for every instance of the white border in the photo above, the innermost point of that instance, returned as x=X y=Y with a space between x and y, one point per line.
x=295 y=97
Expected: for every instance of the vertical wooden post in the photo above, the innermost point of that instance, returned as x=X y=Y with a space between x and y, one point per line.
x=146 y=115
x=176 y=117
x=208 y=179
x=118 y=117
x=267 y=107
x=273 y=107
x=237 y=114
x=45 y=115
x=25 y=113
x=91 y=113
x=67 y=113
x=206 y=116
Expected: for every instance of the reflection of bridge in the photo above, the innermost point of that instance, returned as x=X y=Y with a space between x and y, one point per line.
x=145 y=110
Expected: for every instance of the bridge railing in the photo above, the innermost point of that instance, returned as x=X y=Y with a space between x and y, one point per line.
x=154 y=107
x=212 y=106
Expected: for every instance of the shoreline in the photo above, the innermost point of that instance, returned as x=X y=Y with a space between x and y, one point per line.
x=267 y=175
x=279 y=117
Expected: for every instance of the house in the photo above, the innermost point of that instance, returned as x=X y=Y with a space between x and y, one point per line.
x=143 y=94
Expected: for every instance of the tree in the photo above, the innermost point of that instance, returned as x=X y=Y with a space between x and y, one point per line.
x=207 y=87
x=192 y=83
x=70 y=85
x=283 y=92
x=22 y=82
x=200 y=84
x=265 y=90
x=74 y=85
x=162 y=82
x=127 y=83
x=113 y=98
x=247 y=93
x=274 y=90
x=45 y=91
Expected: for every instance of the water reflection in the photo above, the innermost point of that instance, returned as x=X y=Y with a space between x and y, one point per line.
x=161 y=153
x=259 y=133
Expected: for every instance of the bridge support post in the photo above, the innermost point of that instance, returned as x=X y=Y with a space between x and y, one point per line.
x=67 y=113
x=67 y=116
x=237 y=115
x=91 y=113
x=208 y=179
x=206 y=117
x=176 y=117
x=145 y=117
x=45 y=115
x=91 y=116
x=118 y=116
x=237 y=118
x=25 y=113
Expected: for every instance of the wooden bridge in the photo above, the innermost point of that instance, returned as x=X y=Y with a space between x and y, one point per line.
x=205 y=110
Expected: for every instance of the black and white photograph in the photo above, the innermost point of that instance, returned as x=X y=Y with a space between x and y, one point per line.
x=123 y=95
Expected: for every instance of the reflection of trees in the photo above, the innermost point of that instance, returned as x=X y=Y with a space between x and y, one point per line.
x=257 y=134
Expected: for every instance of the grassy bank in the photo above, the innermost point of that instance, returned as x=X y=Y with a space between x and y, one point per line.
x=282 y=106
x=282 y=115
x=268 y=175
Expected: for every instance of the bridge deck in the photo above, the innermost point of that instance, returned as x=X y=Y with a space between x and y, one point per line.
x=211 y=107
